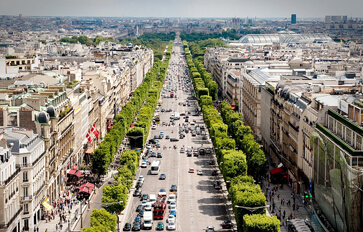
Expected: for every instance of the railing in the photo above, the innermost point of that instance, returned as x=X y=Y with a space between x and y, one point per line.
x=10 y=178
x=35 y=161
x=27 y=198
x=12 y=219
x=23 y=165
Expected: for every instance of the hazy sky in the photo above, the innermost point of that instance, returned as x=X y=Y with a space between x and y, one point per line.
x=183 y=8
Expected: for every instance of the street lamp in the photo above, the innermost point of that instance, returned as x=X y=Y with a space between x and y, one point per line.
x=252 y=209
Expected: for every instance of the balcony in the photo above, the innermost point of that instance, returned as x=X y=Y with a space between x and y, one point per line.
x=27 y=198
x=6 y=225
x=10 y=178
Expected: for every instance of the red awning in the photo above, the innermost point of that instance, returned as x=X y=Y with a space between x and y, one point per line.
x=72 y=172
x=79 y=174
x=86 y=188
x=276 y=170
x=75 y=167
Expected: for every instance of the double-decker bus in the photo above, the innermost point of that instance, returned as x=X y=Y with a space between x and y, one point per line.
x=159 y=210
x=155 y=167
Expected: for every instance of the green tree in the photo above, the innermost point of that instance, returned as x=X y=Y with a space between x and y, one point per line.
x=112 y=194
x=260 y=223
x=102 y=219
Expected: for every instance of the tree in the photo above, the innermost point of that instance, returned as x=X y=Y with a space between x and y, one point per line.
x=260 y=223
x=234 y=164
x=112 y=194
x=101 y=219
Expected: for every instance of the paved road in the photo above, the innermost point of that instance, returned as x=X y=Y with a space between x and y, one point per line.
x=198 y=204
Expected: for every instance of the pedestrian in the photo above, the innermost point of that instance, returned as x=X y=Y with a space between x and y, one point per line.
x=56 y=227
x=293 y=207
x=278 y=196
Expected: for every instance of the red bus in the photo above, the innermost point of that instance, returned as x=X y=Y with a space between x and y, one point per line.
x=171 y=94
x=159 y=210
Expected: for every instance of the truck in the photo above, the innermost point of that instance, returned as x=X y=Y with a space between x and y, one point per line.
x=148 y=220
x=176 y=116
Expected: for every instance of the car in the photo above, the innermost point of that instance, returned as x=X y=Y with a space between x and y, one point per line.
x=172 y=207
x=191 y=170
x=162 y=193
x=200 y=172
x=153 y=141
x=127 y=227
x=210 y=229
x=141 y=178
x=208 y=151
x=160 y=226
x=167 y=137
x=148 y=146
x=156 y=136
x=182 y=150
x=153 y=154
x=217 y=185
x=143 y=203
x=227 y=224
x=159 y=155
x=144 y=197
x=215 y=173
x=138 y=219
x=173 y=188
x=141 y=213
x=144 y=164
x=162 y=110
x=148 y=206
x=136 y=226
x=212 y=162
x=172 y=204
x=137 y=192
x=192 y=123
x=194 y=134
x=171 y=226
x=174 y=140
x=189 y=153
x=173 y=212
x=160 y=136
x=139 y=208
x=153 y=127
x=139 y=184
x=170 y=218
x=162 y=177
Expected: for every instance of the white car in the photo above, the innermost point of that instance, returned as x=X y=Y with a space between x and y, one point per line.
x=170 y=219
x=199 y=172
x=172 y=207
x=141 y=178
x=153 y=127
x=192 y=123
x=171 y=226
x=148 y=206
x=144 y=164
x=172 y=204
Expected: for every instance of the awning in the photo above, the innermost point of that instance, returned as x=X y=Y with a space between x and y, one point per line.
x=89 y=151
x=276 y=170
x=75 y=167
x=72 y=172
x=47 y=205
x=86 y=188
x=79 y=174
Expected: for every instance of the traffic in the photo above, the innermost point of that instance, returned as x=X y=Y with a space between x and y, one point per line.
x=175 y=187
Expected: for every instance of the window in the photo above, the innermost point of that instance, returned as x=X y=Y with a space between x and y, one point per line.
x=25 y=176
x=25 y=161
x=26 y=224
x=26 y=208
x=25 y=191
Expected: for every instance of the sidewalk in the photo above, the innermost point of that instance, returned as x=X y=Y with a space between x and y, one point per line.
x=54 y=224
x=278 y=203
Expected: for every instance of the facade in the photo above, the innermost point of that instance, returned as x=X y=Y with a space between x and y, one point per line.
x=29 y=150
x=11 y=209
x=337 y=148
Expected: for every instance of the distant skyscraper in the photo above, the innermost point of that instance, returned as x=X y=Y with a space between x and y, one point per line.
x=293 y=19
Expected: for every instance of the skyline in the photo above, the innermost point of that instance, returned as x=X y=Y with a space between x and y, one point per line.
x=184 y=9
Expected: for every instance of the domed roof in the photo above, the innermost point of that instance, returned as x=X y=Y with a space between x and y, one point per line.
x=43 y=117
x=51 y=111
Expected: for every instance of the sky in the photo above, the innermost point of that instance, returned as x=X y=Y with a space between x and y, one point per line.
x=184 y=8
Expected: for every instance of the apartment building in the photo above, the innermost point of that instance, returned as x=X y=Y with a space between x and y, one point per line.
x=29 y=150
x=337 y=149
x=11 y=209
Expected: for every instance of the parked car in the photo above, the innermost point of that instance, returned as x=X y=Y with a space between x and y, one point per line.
x=162 y=177
x=191 y=170
x=217 y=185
x=127 y=227
x=136 y=226
x=174 y=140
x=227 y=224
x=160 y=226
x=137 y=192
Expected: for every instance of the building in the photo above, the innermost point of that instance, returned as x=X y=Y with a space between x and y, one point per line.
x=337 y=149
x=293 y=19
x=11 y=209
x=29 y=150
